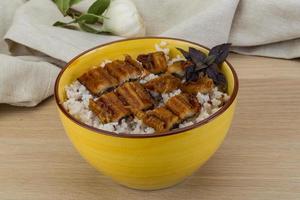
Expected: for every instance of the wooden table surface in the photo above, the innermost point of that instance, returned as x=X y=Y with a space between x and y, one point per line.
x=260 y=158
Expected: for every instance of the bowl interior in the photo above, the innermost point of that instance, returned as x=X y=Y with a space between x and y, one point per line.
x=116 y=50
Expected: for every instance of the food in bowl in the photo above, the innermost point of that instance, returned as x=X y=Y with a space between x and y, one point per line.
x=146 y=161
x=151 y=94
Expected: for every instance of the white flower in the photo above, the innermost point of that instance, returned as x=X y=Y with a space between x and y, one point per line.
x=122 y=18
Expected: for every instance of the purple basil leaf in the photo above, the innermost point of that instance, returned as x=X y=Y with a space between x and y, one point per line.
x=201 y=67
x=197 y=56
x=213 y=74
x=194 y=77
x=184 y=53
x=221 y=52
x=210 y=59
x=218 y=77
x=222 y=81
x=214 y=66
x=190 y=73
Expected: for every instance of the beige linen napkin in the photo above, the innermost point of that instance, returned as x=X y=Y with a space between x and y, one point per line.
x=24 y=80
x=267 y=28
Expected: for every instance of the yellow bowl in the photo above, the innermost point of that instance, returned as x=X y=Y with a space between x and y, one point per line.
x=145 y=162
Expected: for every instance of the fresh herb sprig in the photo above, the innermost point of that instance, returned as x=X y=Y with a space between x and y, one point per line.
x=84 y=20
x=207 y=64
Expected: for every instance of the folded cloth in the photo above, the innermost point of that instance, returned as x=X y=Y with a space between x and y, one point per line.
x=265 y=28
x=24 y=80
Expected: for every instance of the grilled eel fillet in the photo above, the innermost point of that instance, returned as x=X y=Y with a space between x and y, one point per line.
x=109 y=108
x=134 y=95
x=124 y=70
x=203 y=84
x=177 y=109
x=178 y=67
x=113 y=106
x=164 y=84
x=161 y=119
x=154 y=62
x=184 y=105
x=98 y=80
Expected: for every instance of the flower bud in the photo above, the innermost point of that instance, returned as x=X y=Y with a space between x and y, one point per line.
x=122 y=18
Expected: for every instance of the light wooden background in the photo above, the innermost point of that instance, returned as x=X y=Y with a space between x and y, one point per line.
x=260 y=158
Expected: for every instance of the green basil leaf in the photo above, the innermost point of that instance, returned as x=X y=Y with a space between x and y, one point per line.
x=98 y=7
x=63 y=6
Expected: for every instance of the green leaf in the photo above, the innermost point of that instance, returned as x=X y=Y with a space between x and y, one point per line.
x=63 y=6
x=65 y=25
x=58 y=23
x=62 y=24
x=88 y=18
x=88 y=28
x=73 y=2
x=98 y=7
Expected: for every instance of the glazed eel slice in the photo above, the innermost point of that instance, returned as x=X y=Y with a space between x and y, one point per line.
x=177 y=109
x=161 y=119
x=184 y=105
x=125 y=70
x=204 y=84
x=134 y=95
x=115 y=105
x=163 y=84
x=178 y=67
x=108 y=108
x=155 y=63
x=98 y=80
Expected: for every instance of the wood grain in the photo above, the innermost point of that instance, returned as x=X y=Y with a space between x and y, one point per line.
x=260 y=158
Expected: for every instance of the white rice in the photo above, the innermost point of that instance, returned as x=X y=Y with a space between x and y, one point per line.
x=167 y=96
x=77 y=103
x=148 y=78
x=211 y=103
x=162 y=46
x=177 y=58
x=104 y=62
